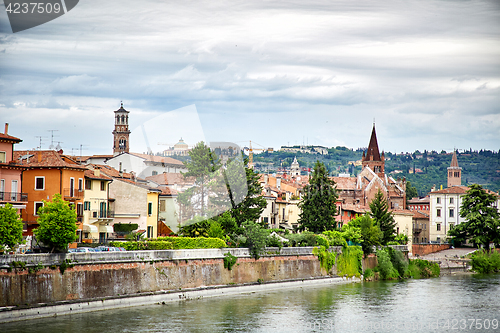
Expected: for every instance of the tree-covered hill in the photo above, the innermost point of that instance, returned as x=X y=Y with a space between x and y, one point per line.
x=423 y=169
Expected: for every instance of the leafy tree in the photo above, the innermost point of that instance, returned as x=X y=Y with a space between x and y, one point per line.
x=370 y=233
x=256 y=238
x=57 y=224
x=202 y=165
x=11 y=227
x=319 y=202
x=482 y=225
x=411 y=191
x=252 y=204
x=384 y=219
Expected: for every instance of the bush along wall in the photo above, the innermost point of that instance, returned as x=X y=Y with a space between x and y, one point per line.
x=393 y=265
x=325 y=257
x=173 y=243
x=349 y=262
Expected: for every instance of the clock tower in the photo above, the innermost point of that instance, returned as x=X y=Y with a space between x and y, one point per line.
x=121 y=132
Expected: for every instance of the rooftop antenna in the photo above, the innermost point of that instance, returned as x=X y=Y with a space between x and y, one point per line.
x=52 y=138
x=40 y=137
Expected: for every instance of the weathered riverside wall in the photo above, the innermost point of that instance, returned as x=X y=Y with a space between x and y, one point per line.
x=423 y=249
x=115 y=274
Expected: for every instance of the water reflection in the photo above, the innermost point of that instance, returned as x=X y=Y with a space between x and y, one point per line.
x=359 y=307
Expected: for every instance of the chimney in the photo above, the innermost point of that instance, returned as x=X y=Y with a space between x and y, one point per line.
x=278 y=183
x=97 y=172
x=39 y=153
x=6 y=128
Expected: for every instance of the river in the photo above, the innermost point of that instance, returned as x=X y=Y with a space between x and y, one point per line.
x=447 y=304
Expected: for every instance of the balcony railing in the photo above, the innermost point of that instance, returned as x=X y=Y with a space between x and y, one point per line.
x=101 y=214
x=13 y=197
x=417 y=230
x=73 y=194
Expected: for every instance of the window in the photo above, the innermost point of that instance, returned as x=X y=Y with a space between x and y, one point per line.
x=154 y=173
x=451 y=201
x=438 y=227
x=72 y=187
x=38 y=205
x=40 y=183
x=452 y=212
x=86 y=205
x=79 y=209
x=150 y=231
x=452 y=225
x=102 y=210
x=13 y=190
x=80 y=184
x=438 y=200
x=150 y=208
x=163 y=206
x=103 y=185
x=438 y=212
x=266 y=220
x=88 y=184
x=3 y=158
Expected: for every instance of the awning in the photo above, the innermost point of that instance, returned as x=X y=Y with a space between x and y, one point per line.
x=106 y=228
x=89 y=228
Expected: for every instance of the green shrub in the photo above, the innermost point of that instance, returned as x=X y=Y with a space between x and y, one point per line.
x=485 y=262
x=305 y=238
x=402 y=239
x=368 y=274
x=335 y=238
x=256 y=237
x=398 y=261
x=349 y=262
x=326 y=258
x=125 y=227
x=274 y=241
x=229 y=260
x=419 y=268
x=321 y=240
x=385 y=267
x=173 y=243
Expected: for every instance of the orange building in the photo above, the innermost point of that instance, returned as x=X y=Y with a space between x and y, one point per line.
x=47 y=173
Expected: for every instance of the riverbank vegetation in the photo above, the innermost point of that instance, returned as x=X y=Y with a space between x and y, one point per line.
x=483 y=261
x=392 y=265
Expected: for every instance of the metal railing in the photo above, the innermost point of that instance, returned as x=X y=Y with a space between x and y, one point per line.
x=73 y=193
x=13 y=197
x=102 y=214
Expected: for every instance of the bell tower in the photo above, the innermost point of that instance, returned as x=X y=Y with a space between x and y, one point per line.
x=454 y=172
x=121 y=132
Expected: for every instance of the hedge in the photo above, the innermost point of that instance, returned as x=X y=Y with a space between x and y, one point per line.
x=173 y=243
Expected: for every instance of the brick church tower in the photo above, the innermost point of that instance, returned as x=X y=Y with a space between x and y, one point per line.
x=373 y=159
x=454 y=172
x=121 y=132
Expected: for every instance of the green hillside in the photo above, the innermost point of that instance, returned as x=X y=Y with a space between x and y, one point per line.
x=478 y=167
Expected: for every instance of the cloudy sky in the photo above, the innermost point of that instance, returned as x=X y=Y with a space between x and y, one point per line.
x=274 y=72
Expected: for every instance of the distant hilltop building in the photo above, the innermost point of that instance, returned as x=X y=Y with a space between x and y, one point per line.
x=180 y=149
x=305 y=149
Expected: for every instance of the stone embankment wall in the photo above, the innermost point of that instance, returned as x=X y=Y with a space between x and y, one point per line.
x=423 y=249
x=37 y=278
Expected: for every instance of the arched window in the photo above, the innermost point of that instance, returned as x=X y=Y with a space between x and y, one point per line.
x=122 y=144
x=154 y=173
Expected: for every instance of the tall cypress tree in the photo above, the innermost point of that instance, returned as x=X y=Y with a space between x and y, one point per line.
x=319 y=202
x=384 y=218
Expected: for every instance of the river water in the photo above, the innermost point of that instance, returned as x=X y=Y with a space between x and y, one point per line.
x=447 y=304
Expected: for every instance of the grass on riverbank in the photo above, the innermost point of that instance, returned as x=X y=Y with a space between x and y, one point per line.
x=483 y=261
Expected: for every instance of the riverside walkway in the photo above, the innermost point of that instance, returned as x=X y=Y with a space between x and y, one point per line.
x=451 y=259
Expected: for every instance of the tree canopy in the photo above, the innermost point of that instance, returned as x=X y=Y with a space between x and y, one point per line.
x=482 y=225
x=370 y=232
x=384 y=218
x=319 y=202
x=57 y=224
x=11 y=227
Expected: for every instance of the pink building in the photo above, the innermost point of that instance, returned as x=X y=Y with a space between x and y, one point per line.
x=10 y=173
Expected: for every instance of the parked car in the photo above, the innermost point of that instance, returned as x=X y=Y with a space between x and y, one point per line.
x=85 y=249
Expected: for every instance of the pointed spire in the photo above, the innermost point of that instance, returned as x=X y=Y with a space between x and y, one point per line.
x=372 y=153
x=454 y=161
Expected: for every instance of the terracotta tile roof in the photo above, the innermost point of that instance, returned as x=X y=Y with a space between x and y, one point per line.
x=170 y=178
x=6 y=137
x=92 y=175
x=112 y=172
x=420 y=201
x=45 y=159
x=420 y=215
x=167 y=191
x=355 y=208
x=345 y=183
x=159 y=159
x=459 y=189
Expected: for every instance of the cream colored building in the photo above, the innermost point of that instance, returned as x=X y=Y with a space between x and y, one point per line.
x=97 y=217
x=404 y=225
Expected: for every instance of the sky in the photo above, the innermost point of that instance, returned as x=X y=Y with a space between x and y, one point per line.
x=271 y=72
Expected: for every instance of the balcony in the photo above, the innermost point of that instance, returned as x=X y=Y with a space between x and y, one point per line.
x=417 y=230
x=72 y=194
x=13 y=197
x=102 y=214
